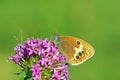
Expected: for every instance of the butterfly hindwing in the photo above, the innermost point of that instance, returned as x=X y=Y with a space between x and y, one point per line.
x=74 y=49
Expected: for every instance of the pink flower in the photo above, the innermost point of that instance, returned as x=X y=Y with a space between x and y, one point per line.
x=36 y=71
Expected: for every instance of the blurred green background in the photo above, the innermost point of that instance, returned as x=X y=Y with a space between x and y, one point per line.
x=96 y=21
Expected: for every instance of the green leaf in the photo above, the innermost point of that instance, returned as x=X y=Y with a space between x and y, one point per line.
x=28 y=73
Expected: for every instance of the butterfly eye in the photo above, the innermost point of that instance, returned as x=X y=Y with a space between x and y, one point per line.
x=78 y=42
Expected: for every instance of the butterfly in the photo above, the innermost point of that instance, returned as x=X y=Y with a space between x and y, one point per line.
x=74 y=49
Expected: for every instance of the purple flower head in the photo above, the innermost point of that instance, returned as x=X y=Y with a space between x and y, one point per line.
x=42 y=58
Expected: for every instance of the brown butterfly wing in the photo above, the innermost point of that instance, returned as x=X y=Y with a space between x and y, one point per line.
x=89 y=49
x=75 y=49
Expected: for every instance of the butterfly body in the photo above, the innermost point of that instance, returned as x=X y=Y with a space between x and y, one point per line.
x=74 y=49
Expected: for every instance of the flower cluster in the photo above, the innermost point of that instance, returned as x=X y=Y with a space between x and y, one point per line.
x=41 y=60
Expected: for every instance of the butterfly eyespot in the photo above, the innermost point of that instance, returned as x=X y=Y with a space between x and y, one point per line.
x=78 y=42
x=74 y=59
x=77 y=57
x=80 y=54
